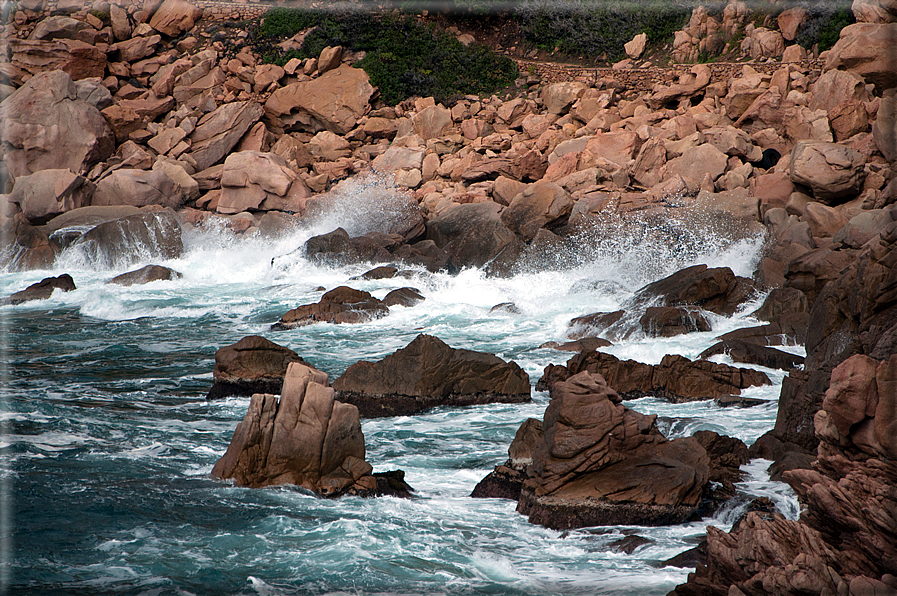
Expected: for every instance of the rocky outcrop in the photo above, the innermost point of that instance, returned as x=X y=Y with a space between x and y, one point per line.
x=252 y=365
x=218 y=132
x=864 y=48
x=305 y=438
x=472 y=234
x=339 y=305
x=831 y=171
x=138 y=188
x=42 y=289
x=428 y=373
x=145 y=275
x=600 y=463
x=676 y=378
x=846 y=539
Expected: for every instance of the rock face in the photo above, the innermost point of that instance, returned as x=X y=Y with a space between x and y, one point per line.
x=716 y=289
x=218 y=132
x=428 y=373
x=676 y=378
x=506 y=481
x=304 y=438
x=126 y=240
x=138 y=188
x=46 y=126
x=42 y=289
x=145 y=275
x=846 y=539
x=339 y=305
x=252 y=365
x=472 y=234
x=599 y=463
x=864 y=48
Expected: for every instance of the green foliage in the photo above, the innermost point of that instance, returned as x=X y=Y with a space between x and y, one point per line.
x=403 y=56
x=824 y=23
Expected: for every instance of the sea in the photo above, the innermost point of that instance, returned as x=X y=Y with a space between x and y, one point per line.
x=107 y=439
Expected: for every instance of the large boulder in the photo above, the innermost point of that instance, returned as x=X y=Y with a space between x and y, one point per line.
x=253 y=180
x=306 y=438
x=884 y=130
x=138 y=188
x=46 y=126
x=252 y=365
x=472 y=234
x=218 y=132
x=337 y=100
x=25 y=246
x=866 y=49
x=874 y=11
x=62 y=27
x=540 y=205
x=428 y=373
x=339 y=305
x=42 y=289
x=676 y=378
x=48 y=193
x=77 y=58
x=430 y=122
x=600 y=463
x=145 y=275
x=506 y=480
x=174 y=17
x=833 y=172
x=714 y=289
x=124 y=241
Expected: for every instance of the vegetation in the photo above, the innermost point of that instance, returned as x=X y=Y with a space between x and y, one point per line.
x=404 y=57
x=824 y=24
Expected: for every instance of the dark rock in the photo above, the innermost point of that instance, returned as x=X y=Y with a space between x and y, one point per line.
x=339 y=305
x=145 y=275
x=629 y=544
x=424 y=253
x=472 y=234
x=676 y=378
x=403 y=297
x=692 y=557
x=505 y=307
x=338 y=248
x=252 y=365
x=428 y=373
x=27 y=247
x=599 y=463
x=716 y=290
x=782 y=301
x=124 y=241
x=669 y=321
x=586 y=344
x=789 y=329
x=506 y=480
x=753 y=353
x=42 y=289
x=727 y=455
x=382 y=272
x=594 y=323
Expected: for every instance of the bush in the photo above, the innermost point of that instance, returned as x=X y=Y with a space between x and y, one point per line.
x=404 y=57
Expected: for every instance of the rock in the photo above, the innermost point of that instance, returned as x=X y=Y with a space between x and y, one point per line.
x=831 y=171
x=46 y=126
x=382 y=272
x=76 y=58
x=884 y=130
x=695 y=164
x=340 y=305
x=252 y=365
x=472 y=234
x=586 y=344
x=824 y=221
x=669 y=321
x=751 y=353
x=145 y=275
x=337 y=247
x=506 y=480
x=864 y=48
x=138 y=188
x=62 y=27
x=558 y=97
x=835 y=87
x=48 y=193
x=618 y=147
x=306 y=438
x=766 y=44
x=42 y=290
x=27 y=247
x=636 y=47
x=791 y=20
x=218 y=132
x=174 y=17
x=427 y=373
x=540 y=205
x=780 y=302
x=94 y=92
x=403 y=297
x=252 y=180
x=329 y=58
x=136 y=48
x=600 y=463
x=121 y=242
x=874 y=11
x=676 y=378
x=717 y=290
x=431 y=122
x=337 y=99
x=629 y=544
x=121 y=27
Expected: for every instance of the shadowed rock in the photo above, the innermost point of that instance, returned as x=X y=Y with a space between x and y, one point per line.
x=145 y=275
x=339 y=305
x=42 y=289
x=428 y=373
x=506 y=480
x=252 y=365
x=403 y=297
x=753 y=353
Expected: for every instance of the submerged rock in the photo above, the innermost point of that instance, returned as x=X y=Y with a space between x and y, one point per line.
x=252 y=365
x=428 y=373
x=339 y=305
x=145 y=275
x=306 y=438
x=753 y=353
x=42 y=289
x=600 y=463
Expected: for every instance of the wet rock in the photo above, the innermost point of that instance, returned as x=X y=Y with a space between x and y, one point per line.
x=586 y=344
x=599 y=463
x=339 y=305
x=472 y=234
x=46 y=126
x=506 y=480
x=382 y=272
x=42 y=289
x=748 y=352
x=305 y=438
x=145 y=275
x=676 y=378
x=428 y=373
x=252 y=365
x=669 y=321
x=505 y=307
x=337 y=247
x=717 y=290
x=133 y=238
x=407 y=297
x=629 y=544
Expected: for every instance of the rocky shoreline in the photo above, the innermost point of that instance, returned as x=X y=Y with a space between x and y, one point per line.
x=120 y=132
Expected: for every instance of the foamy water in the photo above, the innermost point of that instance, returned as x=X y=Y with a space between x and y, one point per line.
x=108 y=440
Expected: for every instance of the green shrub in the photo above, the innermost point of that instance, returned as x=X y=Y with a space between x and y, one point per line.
x=824 y=23
x=403 y=56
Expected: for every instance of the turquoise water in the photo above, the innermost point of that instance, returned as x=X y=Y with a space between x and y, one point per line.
x=108 y=440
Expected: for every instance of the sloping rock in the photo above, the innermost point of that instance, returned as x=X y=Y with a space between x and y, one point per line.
x=62 y=27
x=337 y=99
x=676 y=378
x=252 y=180
x=48 y=193
x=884 y=130
x=715 y=289
x=130 y=239
x=865 y=48
x=403 y=297
x=752 y=353
x=428 y=373
x=42 y=289
x=540 y=205
x=506 y=481
x=600 y=463
x=339 y=305
x=337 y=247
x=430 y=122
x=27 y=247
x=252 y=365
x=472 y=234
x=46 y=126
x=831 y=171
x=174 y=17
x=305 y=438
x=874 y=11
x=145 y=275
x=218 y=132
x=669 y=321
